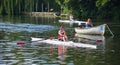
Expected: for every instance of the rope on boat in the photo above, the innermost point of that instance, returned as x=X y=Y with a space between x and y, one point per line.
x=110 y=30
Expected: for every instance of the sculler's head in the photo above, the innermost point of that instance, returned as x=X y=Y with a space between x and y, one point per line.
x=62 y=27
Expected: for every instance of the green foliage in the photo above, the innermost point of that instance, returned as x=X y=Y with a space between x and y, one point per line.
x=109 y=9
x=16 y=7
x=105 y=9
x=82 y=8
x=79 y=8
x=101 y=3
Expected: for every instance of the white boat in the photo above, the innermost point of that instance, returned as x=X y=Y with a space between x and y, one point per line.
x=73 y=21
x=63 y=43
x=90 y=37
x=96 y=30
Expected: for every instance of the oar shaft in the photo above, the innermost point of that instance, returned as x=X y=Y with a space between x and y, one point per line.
x=110 y=30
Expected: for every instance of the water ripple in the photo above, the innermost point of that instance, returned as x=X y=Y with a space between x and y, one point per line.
x=8 y=27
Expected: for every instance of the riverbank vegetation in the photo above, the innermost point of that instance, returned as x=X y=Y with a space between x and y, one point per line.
x=18 y=7
x=102 y=9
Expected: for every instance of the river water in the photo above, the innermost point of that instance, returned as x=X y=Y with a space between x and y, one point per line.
x=22 y=28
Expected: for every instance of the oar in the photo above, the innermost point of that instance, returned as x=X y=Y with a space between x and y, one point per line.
x=37 y=40
x=110 y=30
x=41 y=39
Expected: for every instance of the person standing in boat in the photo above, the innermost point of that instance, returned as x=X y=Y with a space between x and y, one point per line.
x=71 y=19
x=89 y=23
x=62 y=34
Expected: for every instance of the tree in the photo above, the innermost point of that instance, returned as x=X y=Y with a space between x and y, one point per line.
x=110 y=9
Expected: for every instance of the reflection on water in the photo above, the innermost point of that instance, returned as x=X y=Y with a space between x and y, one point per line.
x=13 y=53
x=92 y=39
x=62 y=50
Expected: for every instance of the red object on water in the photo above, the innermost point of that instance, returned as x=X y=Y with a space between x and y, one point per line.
x=20 y=43
x=99 y=41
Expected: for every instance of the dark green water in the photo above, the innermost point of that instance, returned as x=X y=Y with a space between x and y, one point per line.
x=16 y=29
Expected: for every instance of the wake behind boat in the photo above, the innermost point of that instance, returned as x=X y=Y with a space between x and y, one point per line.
x=97 y=30
x=63 y=43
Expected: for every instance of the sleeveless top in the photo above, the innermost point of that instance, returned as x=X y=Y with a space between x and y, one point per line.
x=62 y=34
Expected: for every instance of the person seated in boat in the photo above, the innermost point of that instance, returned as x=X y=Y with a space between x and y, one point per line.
x=89 y=23
x=62 y=34
x=81 y=25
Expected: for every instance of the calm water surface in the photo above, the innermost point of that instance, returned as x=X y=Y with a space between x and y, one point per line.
x=16 y=29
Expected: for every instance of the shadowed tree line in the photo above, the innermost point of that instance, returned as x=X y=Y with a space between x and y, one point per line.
x=105 y=9
x=17 y=7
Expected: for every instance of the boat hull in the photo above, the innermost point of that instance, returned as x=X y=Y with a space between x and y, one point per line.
x=97 y=30
x=63 y=43
x=68 y=21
